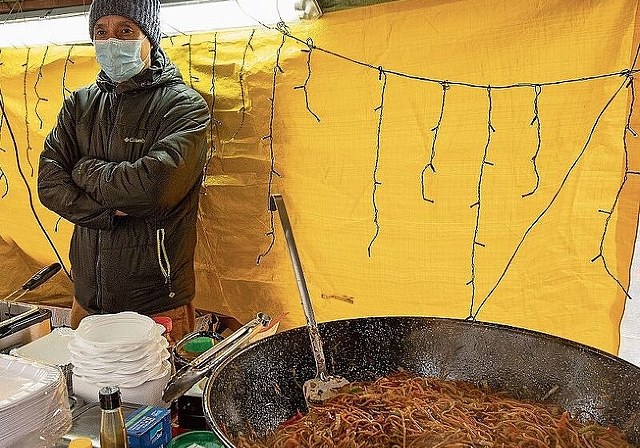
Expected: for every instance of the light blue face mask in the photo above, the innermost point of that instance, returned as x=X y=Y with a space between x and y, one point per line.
x=119 y=59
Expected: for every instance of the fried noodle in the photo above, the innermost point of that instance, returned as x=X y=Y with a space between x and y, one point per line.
x=406 y=411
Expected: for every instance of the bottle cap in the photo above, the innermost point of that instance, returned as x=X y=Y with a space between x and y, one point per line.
x=109 y=398
x=81 y=442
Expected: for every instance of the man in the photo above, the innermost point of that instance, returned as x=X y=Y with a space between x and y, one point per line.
x=124 y=164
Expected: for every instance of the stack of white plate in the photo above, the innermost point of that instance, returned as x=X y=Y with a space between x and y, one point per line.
x=34 y=406
x=125 y=350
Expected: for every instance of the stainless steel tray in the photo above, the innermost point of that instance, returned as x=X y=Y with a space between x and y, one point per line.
x=11 y=312
x=27 y=328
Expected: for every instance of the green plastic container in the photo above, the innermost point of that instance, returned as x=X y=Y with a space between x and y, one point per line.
x=198 y=345
x=196 y=439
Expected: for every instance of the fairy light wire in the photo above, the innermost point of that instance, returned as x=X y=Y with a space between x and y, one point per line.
x=243 y=108
x=431 y=163
x=309 y=50
x=271 y=234
x=27 y=185
x=382 y=76
x=551 y=202
x=536 y=120
x=29 y=148
x=609 y=213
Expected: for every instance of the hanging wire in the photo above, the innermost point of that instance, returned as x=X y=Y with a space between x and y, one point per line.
x=35 y=86
x=67 y=61
x=271 y=234
x=1 y=116
x=26 y=112
x=27 y=185
x=430 y=165
x=461 y=83
x=609 y=213
x=553 y=199
x=537 y=90
x=536 y=120
x=241 y=81
x=382 y=76
x=192 y=78
x=213 y=122
x=5 y=181
x=309 y=50
x=3 y=175
x=478 y=204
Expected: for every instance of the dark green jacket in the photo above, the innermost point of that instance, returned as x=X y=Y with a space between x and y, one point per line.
x=139 y=148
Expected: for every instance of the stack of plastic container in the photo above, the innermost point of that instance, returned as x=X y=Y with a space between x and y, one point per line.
x=34 y=405
x=125 y=350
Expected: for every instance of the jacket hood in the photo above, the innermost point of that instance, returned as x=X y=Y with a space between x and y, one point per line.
x=161 y=71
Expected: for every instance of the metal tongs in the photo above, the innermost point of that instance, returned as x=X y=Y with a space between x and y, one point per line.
x=36 y=280
x=208 y=361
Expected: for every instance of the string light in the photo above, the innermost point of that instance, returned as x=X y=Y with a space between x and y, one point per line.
x=213 y=122
x=550 y=204
x=26 y=112
x=309 y=50
x=382 y=76
x=430 y=166
x=536 y=120
x=241 y=81
x=609 y=213
x=5 y=180
x=277 y=69
x=35 y=87
x=27 y=185
x=67 y=61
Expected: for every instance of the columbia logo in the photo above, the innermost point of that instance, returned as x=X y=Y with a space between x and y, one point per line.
x=133 y=140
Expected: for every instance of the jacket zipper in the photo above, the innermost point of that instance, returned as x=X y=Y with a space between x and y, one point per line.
x=98 y=257
x=98 y=278
x=163 y=261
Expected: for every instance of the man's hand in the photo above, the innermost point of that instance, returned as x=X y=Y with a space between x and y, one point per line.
x=119 y=213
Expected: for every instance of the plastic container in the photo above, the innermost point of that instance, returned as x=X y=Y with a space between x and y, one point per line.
x=192 y=345
x=204 y=439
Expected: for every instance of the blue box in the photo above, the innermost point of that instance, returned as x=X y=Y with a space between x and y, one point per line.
x=149 y=427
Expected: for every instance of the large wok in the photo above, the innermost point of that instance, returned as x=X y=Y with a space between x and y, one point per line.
x=261 y=386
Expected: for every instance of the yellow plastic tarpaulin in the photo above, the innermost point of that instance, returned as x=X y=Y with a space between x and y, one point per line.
x=449 y=158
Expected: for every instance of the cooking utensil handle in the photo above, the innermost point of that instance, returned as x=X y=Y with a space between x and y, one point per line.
x=41 y=276
x=277 y=203
x=201 y=366
x=235 y=340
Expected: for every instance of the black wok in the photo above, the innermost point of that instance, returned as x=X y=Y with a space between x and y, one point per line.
x=261 y=386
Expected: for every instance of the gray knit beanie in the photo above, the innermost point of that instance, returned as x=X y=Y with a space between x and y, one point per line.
x=144 y=13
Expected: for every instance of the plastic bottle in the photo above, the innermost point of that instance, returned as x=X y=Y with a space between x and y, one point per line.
x=113 y=433
x=81 y=442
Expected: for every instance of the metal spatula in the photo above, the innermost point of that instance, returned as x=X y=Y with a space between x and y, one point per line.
x=323 y=386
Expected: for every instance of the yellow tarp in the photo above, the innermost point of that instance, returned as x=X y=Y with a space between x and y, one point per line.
x=439 y=158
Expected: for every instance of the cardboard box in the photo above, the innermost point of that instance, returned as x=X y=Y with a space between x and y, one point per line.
x=149 y=427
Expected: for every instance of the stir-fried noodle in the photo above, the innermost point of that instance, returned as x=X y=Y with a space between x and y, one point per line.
x=404 y=411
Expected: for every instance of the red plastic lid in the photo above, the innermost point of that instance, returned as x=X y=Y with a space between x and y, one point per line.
x=165 y=322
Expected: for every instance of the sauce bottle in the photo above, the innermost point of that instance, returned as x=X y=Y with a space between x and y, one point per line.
x=113 y=433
